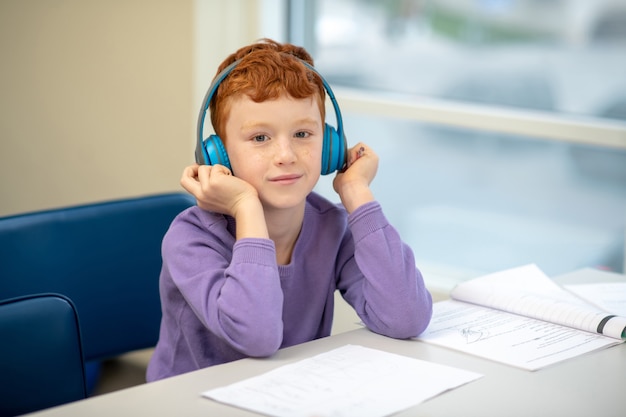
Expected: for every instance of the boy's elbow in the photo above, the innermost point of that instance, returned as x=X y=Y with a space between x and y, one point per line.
x=411 y=323
x=422 y=317
x=420 y=326
x=263 y=350
x=407 y=330
x=420 y=313
x=262 y=344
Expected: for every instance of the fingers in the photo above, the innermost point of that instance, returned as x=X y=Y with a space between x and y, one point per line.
x=362 y=166
x=358 y=151
x=221 y=169
x=196 y=179
x=189 y=179
x=191 y=171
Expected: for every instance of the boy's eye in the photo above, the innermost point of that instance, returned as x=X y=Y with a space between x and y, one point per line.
x=260 y=138
x=302 y=135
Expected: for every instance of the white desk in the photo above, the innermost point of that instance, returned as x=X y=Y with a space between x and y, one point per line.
x=589 y=385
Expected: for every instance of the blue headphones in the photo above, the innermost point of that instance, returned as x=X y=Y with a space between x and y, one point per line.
x=211 y=151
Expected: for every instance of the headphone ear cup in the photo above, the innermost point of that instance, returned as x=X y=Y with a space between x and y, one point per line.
x=214 y=152
x=333 y=151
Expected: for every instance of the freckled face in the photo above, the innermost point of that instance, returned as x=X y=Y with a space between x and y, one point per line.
x=276 y=146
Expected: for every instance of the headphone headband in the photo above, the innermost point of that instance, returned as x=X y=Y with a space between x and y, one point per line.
x=207 y=101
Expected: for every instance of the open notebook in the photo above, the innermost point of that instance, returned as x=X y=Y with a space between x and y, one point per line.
x=522 y=318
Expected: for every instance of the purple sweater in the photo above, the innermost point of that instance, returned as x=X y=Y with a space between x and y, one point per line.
x=224 y=299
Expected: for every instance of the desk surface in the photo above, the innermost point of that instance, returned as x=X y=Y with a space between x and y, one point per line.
x=591 y=384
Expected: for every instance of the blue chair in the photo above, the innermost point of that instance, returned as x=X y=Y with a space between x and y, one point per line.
x=41 y=358
x=105 y=257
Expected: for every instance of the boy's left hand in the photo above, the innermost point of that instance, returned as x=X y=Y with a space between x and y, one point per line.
x=352 y=184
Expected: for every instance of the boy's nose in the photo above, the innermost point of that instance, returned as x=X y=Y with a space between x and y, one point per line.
x=284 y=152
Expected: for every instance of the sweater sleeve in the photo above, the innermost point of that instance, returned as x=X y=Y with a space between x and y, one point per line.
x=235 y=295
x=381 y=280
x=248 y=304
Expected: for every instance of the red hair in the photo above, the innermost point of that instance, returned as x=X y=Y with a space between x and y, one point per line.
x=266 y=71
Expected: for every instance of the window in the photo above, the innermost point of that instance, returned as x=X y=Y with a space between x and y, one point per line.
x=565 y=56
x=501 y=124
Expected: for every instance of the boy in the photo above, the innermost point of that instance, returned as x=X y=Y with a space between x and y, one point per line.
x=255 y=266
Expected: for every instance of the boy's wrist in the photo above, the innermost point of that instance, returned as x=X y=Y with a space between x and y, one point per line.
x=355 y=195
x=250 y=219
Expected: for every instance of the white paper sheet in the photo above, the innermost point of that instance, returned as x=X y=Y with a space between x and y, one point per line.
x=345 y=382
x=609 y=296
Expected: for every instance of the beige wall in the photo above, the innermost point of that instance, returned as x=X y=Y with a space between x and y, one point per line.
x=99 y=98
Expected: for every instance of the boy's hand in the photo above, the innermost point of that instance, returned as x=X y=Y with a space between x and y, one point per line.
x=352 y=185
x=216 y=189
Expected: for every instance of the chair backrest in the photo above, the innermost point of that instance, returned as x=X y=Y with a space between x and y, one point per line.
x=41 y=359
x=105 y=257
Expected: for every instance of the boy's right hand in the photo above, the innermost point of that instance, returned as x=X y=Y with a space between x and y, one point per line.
x=216 y=189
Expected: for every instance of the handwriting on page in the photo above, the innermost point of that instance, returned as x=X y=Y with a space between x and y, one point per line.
x=348 y=381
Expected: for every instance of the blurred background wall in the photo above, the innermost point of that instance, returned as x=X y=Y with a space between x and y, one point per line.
x=99 y=98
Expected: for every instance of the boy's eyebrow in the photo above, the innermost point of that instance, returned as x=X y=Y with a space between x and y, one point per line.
x=306 y=120
x=249 y=125
x=252 y=125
